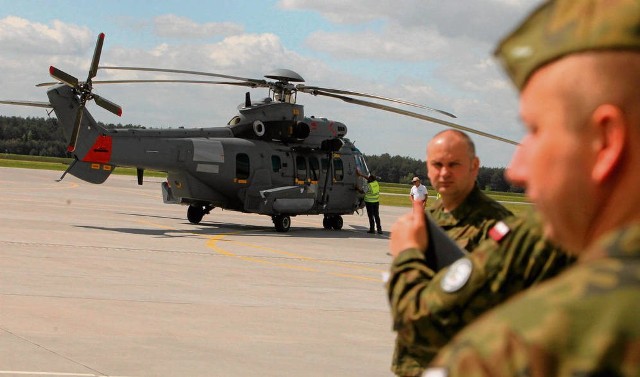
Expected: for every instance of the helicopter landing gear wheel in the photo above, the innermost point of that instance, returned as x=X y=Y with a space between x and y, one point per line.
x=282 y=223
x=195 y=213
x=337 y=222
x=326 y=222
x=332 y=222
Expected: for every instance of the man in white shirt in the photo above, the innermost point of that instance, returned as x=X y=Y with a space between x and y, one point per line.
x=418 y=191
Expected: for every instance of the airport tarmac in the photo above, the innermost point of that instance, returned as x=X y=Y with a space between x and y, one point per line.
x=106 y=280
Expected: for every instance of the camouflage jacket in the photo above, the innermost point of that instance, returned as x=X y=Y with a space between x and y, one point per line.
x=584 y=322
x=468 y=225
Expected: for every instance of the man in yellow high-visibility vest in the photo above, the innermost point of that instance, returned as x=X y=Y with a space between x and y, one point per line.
x=372 y=202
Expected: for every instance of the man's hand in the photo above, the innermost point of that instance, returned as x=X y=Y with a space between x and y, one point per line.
x=409 y=231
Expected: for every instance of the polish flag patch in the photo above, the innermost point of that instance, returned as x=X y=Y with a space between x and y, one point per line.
x=498 y=231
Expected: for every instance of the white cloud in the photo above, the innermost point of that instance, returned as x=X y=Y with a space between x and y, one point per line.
x=20 y=36
x=339 y=11
x=173 y=26
x=479 y=19
x=392 y=44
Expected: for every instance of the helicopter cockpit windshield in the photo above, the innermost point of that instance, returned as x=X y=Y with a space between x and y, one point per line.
x=361 y=164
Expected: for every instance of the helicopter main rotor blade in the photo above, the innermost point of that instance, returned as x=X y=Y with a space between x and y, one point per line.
x=63 y=77
x=418 y=116
x=107 y=105
x=46 y=105
x=96 y=57
x=159 y=81
x=256 y=82
x=174 y=81
x=314 y=89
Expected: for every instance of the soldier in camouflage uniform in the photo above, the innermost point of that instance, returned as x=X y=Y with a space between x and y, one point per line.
x=577 y=66
x=464 y=212
x=429 y=307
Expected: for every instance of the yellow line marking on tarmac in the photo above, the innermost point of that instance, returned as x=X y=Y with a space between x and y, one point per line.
x=310 y=259
x=160 y=225
x=212 y=243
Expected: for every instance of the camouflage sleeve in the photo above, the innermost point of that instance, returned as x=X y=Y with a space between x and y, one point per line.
x=583 y=323
x=429 y=308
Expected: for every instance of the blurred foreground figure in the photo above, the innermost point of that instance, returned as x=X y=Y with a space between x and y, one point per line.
x=577 y=66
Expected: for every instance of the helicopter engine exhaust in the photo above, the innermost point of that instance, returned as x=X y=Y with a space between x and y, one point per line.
x=300 y=130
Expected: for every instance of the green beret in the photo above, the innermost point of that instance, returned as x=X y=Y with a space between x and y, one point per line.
x=562 y=27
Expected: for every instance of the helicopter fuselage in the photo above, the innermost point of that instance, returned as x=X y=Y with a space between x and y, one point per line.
x=270 y=159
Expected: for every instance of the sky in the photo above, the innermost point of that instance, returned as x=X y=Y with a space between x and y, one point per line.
x=432 y=52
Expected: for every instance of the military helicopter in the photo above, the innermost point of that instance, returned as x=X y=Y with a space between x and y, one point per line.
x=269 y=159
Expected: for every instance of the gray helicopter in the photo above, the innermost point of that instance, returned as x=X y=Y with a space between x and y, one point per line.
x=269 y=159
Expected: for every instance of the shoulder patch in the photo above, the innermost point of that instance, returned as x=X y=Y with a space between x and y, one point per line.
x=457 y=276
x=435 y=372
x=498 y=231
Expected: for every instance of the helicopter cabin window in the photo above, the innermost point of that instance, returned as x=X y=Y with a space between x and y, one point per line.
x=301 y=169
x=314 y=169
x=242 y=166
x=338 y=169
x=276 y=164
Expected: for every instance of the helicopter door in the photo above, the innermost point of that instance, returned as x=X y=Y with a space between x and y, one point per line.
x=340 y=186
x=282 y=169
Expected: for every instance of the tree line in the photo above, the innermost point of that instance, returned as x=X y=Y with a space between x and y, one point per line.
x=43 y=137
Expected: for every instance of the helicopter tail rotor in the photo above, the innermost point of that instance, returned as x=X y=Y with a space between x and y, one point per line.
x=84 y=89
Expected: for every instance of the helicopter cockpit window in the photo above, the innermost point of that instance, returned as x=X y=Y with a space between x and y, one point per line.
x=301 y=168
x=242 y=166
x=338 y=169
x=276 y=164
x=361 y=164
x=314 y=168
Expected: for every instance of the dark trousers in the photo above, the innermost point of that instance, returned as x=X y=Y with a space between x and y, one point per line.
x=373 y=212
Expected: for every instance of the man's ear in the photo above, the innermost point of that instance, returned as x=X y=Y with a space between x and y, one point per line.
x=609 y=142
x=475 y=164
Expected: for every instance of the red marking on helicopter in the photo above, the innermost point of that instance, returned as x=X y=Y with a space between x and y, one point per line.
x=100 y=151
x=332 y=130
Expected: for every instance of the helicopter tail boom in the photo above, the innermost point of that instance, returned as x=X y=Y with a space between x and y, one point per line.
x=93 y=149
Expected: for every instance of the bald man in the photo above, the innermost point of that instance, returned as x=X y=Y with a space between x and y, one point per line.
x=465 y=213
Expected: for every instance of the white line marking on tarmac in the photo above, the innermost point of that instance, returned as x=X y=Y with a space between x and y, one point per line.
x=32 y=373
